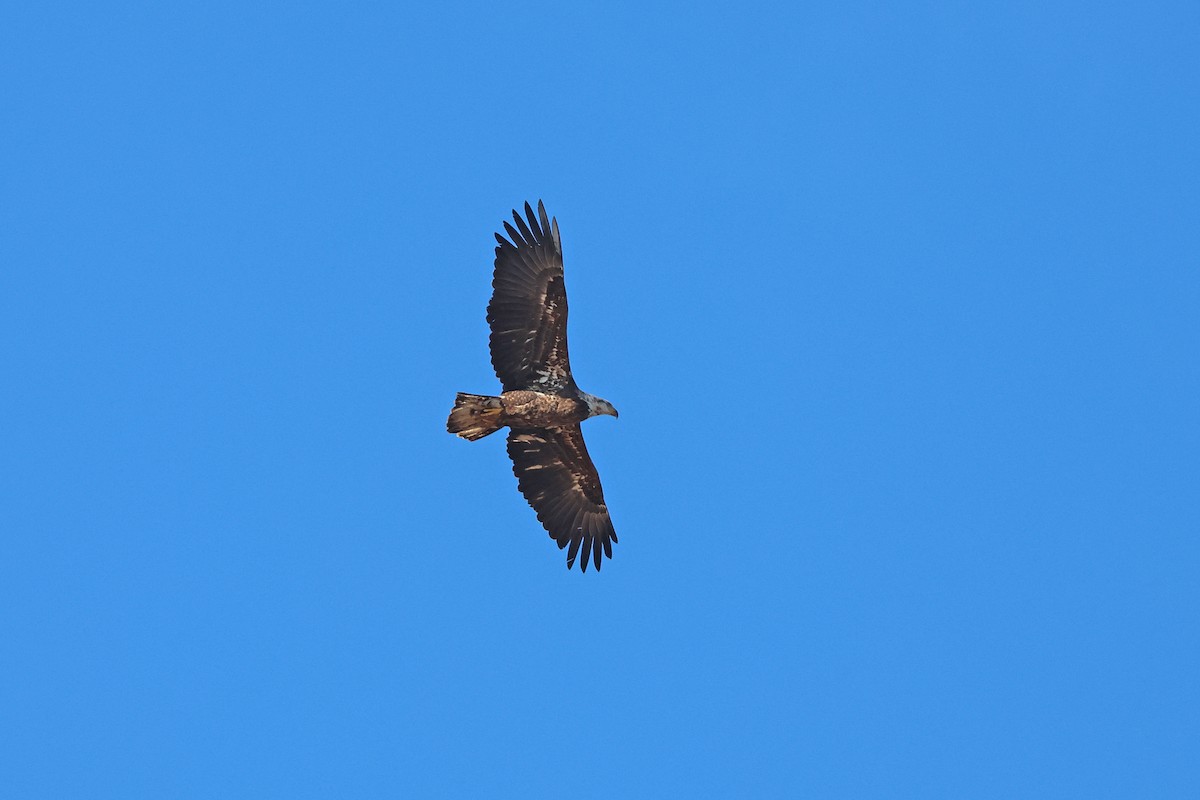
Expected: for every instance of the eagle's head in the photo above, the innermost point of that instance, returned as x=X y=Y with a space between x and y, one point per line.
x=597 y=406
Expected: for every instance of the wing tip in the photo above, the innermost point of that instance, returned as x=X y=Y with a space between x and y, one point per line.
x=539 y=226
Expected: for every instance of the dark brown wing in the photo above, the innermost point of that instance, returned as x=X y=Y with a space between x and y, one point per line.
x=559 y=480
x=528 y=311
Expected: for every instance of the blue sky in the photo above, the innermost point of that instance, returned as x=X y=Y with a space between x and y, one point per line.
x=899 y=308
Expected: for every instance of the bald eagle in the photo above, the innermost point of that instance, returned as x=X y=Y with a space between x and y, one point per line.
x=540 y=403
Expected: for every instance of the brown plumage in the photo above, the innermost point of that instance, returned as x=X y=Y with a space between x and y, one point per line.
x=540 y=402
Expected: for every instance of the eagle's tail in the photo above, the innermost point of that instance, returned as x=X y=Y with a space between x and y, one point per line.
x=474 y=416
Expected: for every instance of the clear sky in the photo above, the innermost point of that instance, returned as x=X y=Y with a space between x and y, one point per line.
x=899 y=307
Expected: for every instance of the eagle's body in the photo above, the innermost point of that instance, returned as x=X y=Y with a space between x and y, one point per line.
x=540 y=402
x=541 y=410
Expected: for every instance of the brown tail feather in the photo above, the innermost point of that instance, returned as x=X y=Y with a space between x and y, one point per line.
x=475 y=416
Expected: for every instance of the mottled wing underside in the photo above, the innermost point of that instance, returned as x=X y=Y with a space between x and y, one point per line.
x=528 y=311
x=559 y=480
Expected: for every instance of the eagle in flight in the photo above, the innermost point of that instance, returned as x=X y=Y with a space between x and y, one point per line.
x=540 y=403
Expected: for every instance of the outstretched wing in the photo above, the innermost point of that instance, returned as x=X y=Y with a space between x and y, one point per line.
x=528 y=311
x=559 y=480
